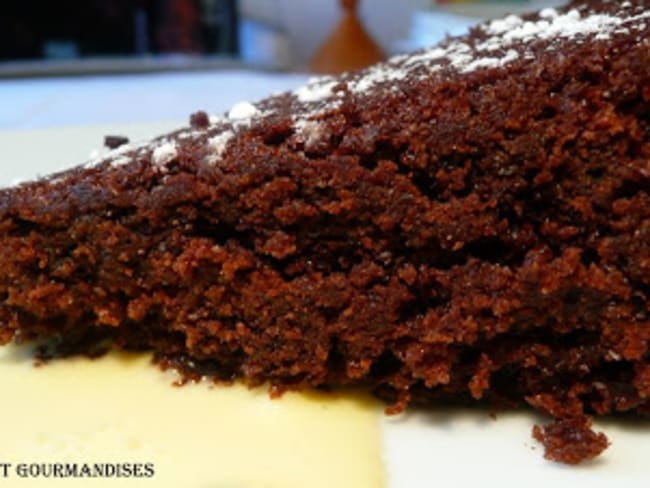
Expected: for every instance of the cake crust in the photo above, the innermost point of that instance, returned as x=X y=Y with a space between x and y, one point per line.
x=471 y=222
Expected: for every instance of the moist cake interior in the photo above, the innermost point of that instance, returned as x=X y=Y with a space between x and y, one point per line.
x=469 y=222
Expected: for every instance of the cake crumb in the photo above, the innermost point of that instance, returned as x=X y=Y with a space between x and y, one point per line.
x=570 y=440
x=113 y=142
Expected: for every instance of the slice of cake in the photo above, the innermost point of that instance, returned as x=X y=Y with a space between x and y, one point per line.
x=470 y=222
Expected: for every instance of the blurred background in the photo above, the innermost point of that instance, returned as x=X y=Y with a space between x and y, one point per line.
x=92 y=61
x=45 y=37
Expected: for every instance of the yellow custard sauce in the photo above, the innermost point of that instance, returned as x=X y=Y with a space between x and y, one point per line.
x=121 y=413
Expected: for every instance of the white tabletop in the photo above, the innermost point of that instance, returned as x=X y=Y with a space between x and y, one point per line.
x=127 y=99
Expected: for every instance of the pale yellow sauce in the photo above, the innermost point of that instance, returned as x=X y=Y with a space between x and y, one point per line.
x=121 y=409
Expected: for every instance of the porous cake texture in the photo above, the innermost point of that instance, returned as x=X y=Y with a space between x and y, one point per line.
x=469 y=222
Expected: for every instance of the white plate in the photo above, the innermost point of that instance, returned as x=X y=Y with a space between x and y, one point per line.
x=458 y=448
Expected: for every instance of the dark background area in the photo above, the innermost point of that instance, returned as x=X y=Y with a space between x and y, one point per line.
x=84 y=28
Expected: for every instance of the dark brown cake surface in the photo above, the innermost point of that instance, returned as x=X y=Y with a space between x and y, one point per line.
x=471 y=222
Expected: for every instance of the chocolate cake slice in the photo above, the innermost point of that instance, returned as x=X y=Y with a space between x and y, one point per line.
x=470 y=222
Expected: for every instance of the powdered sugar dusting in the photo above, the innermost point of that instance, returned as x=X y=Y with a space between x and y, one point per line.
x=554 y=25
x=216 y=119
x=547 y=13
x=243 y=111
x=492 y=45
x=118 y=156
x=319 y=94
x=187 y=135
x=164 y=150
x=504 y=41
x=488 y=62
x=164 y=153
x=319 y=89
x=379 y=75
x=499 y=26
x=218 y=144
x=309 y=132
x=121 y=161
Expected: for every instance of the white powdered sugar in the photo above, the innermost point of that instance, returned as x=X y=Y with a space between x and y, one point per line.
x=118 y=156
x=497 y=44
x=504 y=42
x=494 y=44
x=555 y=25
x=243 y=111
x=547 y=13
x=218 y=144
x=499 y=26
x=216 y=119
x=239 y=116
x=489 y=62
x=378 y=75
x=121 y=161
x=318 y=89
x=164 y=153
x=309 y=132
x=165 y=150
